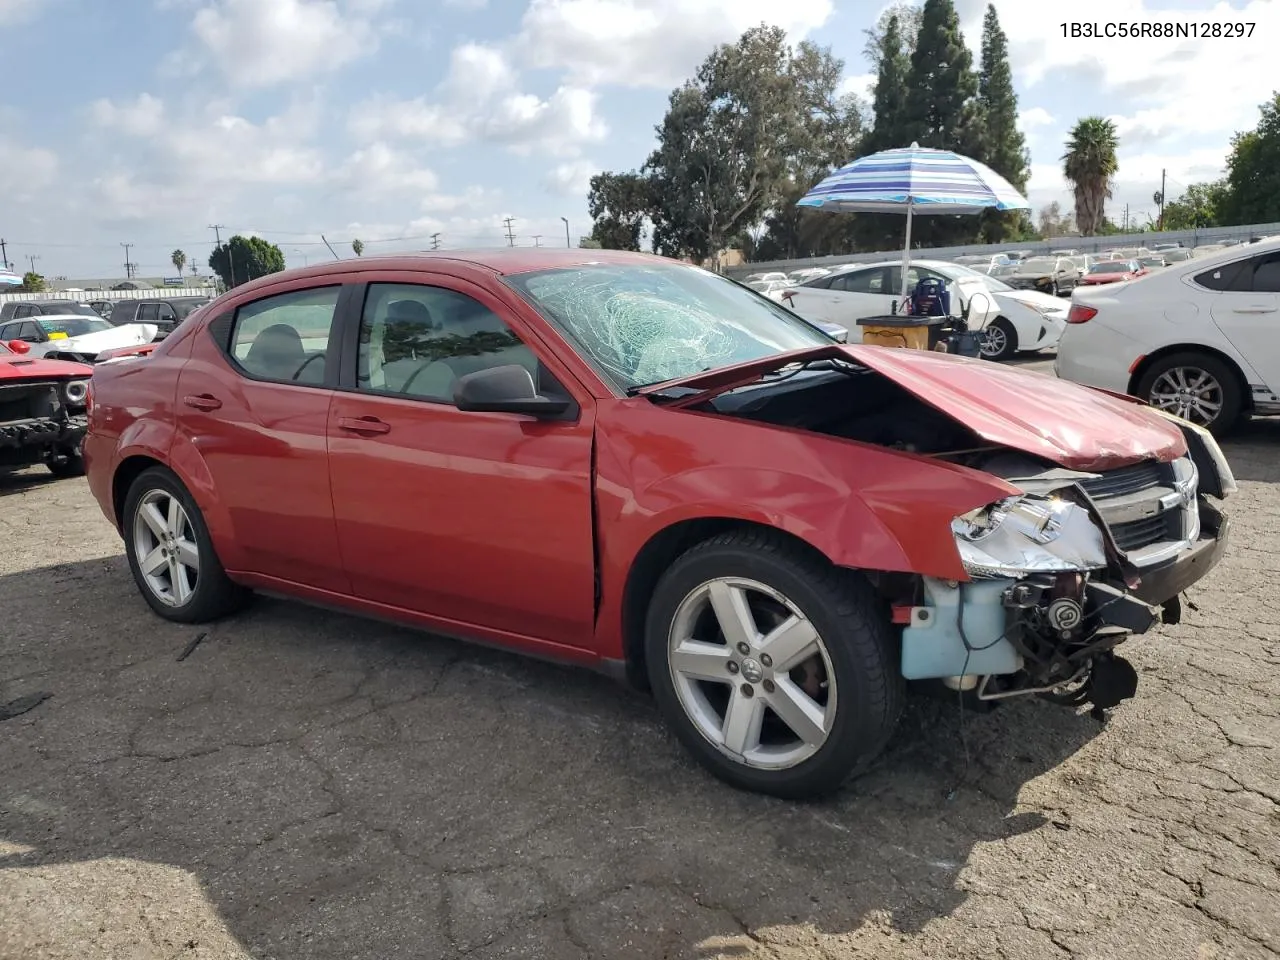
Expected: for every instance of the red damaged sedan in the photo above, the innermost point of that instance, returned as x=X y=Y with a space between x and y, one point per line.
x=1113 y=271
x=636 y=465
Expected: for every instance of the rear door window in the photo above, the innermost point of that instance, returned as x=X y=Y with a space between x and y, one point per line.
x=286 y=337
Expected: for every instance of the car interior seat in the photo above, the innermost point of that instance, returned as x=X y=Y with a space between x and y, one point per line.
x=277 y=353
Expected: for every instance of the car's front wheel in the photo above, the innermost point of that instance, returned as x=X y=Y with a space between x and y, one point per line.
x=1195 y=386
x=1001 y=341
x=774 y=668
x=171 y=554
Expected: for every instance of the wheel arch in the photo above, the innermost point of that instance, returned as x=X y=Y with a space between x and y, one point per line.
x=657 y=554
x=1148 y=361
x=129 y=469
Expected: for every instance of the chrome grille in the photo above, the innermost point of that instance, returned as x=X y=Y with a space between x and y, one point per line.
x=1128 y=480
x=1134 y=503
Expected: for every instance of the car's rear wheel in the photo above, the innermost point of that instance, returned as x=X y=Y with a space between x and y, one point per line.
x=774 y=668
x=1195 y=386
x=1001 y=340
x=170 y=552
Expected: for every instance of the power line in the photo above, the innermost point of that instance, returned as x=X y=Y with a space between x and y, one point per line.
x=511 y=237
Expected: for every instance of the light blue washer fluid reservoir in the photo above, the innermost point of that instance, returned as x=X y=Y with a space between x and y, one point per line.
x=932 y=646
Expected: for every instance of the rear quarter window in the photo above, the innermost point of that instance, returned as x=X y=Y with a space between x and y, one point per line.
x=1228 y=276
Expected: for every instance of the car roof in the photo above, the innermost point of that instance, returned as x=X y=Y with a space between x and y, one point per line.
x=500 y=262
x=52 y=316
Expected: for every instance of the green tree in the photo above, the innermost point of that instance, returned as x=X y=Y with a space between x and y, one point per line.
x=589 y=243
x=908 y=17
x=179 y=260
x=358 y=246
x=1006 y=148
x=1252 y=188
x=618 y=204
x=32 y=282
x=758 y=116
x=1089 y=165
x=942 y=108
x=1052 y=222
x=242 y=259
x=1197 y=207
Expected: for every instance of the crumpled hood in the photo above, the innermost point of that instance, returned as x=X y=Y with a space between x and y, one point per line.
x=1068 y=424
x=125 y=335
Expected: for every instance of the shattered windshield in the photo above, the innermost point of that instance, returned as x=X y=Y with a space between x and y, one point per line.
x=644 y=323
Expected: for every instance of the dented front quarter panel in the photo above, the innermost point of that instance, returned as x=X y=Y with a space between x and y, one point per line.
x=862 y=506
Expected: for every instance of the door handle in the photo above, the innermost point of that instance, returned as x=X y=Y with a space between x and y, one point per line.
x=1255 y=308
x=202 y=401
x=368 y=425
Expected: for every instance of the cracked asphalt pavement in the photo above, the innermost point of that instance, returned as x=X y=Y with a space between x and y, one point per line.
x=307 y=785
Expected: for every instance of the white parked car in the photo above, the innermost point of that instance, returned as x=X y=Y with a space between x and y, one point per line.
x=774 y=275
x=1015 y=320
x=74 y=337
x=1200 y=339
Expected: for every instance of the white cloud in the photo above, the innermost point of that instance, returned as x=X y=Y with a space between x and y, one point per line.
x=648 y=43
x=470 y=5
x=859 y=84
x=27 y=170
x=15 y=11
x=262 y=43
x=143 y=117
x=1160 y=88
x=1034 y=117
x=479 y=100
x=571 y=179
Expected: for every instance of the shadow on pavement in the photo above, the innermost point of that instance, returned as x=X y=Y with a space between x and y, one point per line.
x=345 y=789
x=1253 y=450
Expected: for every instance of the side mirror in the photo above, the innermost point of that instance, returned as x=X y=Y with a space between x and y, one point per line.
x=505 y=389
x=19 y=346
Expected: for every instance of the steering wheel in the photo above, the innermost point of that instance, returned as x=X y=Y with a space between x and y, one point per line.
x=306 y=363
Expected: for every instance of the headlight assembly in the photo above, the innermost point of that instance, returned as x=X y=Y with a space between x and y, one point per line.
x=1024 y=535
x=76 y=391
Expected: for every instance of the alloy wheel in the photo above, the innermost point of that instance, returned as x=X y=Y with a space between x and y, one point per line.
x=995 y=342
x=165 y=544
x=752 y=673
x=1188 y=392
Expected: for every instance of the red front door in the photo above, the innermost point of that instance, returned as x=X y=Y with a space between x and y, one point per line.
x=479 y=519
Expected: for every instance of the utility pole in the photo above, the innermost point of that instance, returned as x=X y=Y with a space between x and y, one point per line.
x=567 y=241
x=217 y=229
x=1161 y=200
x=1125 y=226
x=511 y=237
x=435 y=241
x=4 y=255
x=537 y=239
x=31 y=259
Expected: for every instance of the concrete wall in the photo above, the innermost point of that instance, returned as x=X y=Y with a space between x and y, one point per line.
x=1188 y=238
x=160 y=293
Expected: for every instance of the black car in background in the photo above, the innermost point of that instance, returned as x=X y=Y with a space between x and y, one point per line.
x=17 y=309
x=165 y=313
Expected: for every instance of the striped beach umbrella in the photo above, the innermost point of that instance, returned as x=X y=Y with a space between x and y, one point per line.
x=913 y=180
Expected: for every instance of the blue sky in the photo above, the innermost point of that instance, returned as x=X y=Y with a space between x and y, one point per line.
x=144 y=121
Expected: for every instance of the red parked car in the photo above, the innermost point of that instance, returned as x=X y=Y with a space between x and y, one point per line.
x=1113 y=271
x=634 y=464
x=42 y=411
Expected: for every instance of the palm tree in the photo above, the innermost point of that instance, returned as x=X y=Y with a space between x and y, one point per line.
x=179 y=260
x=358 y=246
x=1089 y=164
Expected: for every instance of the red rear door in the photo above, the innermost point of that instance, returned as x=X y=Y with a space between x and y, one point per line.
x=482 y=519
x=254 y=401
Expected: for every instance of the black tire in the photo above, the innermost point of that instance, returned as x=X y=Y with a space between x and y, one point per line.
x=65 y=467
x=1010 y=340
x=856 y=631
x=215 y=595
x=1055 y=289
x=1226 y=376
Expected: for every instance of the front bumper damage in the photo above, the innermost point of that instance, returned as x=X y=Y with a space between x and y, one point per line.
x=30 y=441
x=1053 y=634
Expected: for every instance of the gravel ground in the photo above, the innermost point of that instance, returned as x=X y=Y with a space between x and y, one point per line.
x=305 y=785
